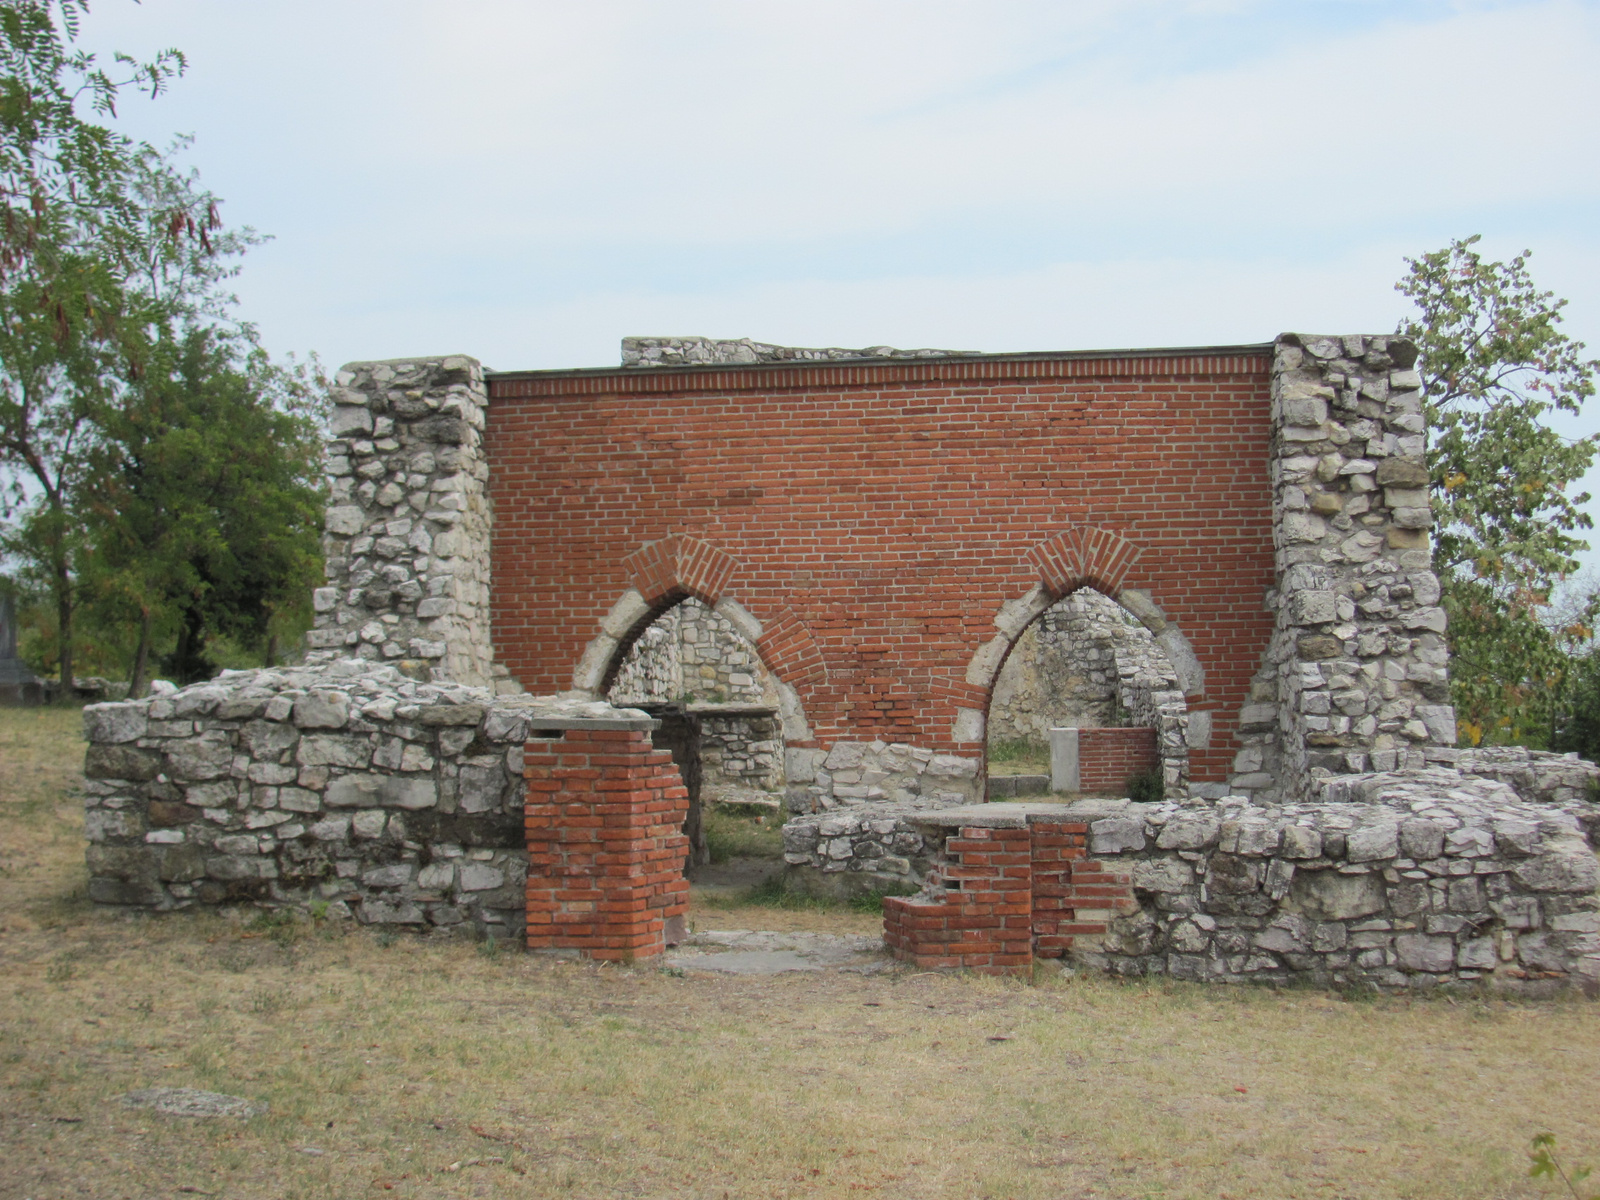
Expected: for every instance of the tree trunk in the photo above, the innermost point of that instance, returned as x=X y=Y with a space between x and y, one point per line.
x=141 y=658
x=189 y=659
x=64 y=632
x=272 y=650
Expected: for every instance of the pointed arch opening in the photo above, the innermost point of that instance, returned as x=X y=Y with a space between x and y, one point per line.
x=1086 y=701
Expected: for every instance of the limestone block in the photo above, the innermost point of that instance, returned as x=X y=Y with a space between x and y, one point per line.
x=1190 y=833
x=389 y=791
x=625 y=614
x=1402 y=472
x=322 y=710
x=1566 y=865
x=1331 y=896
x=121 y=762
x=1161 y=874
x=349 y=419
x=207 y=756
x=1316 y=607
x=1419 y=952
x=1116 y=835
x=114 y=723
x=1421 y=839
x=344 y=520
x=1370 y=842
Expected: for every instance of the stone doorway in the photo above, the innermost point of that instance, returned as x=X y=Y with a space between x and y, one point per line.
x=718 y=708
x=1089 y=665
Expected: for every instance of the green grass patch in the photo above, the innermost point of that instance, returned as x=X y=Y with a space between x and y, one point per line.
x=1019 y=756
x=731 y=835
x=776 y=892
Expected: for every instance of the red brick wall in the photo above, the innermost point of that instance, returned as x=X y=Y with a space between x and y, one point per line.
x=1109 y=757
x=604 y=814
x=875 y=517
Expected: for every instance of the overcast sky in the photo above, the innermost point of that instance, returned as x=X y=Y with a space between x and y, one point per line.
x=528 y=181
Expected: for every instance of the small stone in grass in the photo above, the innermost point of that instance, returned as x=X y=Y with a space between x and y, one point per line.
x=191 y=1102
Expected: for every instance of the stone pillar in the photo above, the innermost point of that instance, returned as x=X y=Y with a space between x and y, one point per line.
x=1358 y=661
x=408 y=524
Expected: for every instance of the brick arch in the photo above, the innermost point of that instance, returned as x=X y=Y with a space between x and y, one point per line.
x=669 y=570
x=674 y=569
x=1081 y=556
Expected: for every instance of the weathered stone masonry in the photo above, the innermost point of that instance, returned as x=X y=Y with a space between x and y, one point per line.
x=1262 y=512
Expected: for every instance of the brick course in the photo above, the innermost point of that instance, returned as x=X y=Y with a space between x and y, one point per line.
x=876 y=517
x=1108 y=756
x=1004 y=896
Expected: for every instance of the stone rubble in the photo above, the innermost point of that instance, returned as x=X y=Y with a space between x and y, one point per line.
x=699 y=351
x=1393 y=880
x=872 y=773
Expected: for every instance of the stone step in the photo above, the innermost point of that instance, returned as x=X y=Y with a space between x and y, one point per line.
x=1005 y=787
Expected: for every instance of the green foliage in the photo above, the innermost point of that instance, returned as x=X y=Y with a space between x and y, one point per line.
x=1015 y=750
x=1511 y=670
x=1542 y=1150
x=162 y=475
x=1495 y=364
x=1577 y=717
x=1147 y=787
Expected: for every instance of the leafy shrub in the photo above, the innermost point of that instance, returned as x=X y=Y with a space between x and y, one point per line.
x=1147 y=787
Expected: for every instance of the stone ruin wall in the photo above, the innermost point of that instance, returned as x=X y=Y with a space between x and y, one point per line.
x=1357 y=673
x=354 y=783
x=407 y=530
x=1422 y=880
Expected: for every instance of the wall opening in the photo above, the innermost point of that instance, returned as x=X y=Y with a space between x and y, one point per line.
x=719 y=708
x=1087 y=663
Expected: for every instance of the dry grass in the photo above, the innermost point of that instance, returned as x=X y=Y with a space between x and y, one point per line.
x=426 y=1069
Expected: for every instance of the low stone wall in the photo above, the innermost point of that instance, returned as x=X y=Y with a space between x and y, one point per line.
x=853 y=850
x=740 y=751
x=1393 y=880
x=345 y=783
x=863 y=773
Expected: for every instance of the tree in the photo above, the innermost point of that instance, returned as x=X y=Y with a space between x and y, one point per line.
x=76 y=220
x=203 y=502
x=1494 y=363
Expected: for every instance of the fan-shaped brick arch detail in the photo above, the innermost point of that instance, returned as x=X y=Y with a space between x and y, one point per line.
x=679 y=565
x=1081 y=556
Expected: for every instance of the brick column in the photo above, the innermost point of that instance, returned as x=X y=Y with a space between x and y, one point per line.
x=1073 y=896
x=981 y=921
x=606 y=849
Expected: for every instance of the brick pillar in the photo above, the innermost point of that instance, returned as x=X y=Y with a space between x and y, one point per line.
x=606 y=849
x=1073 y=896
x=982 y=920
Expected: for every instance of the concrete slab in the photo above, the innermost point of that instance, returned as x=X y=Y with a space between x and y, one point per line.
x=746 y=952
